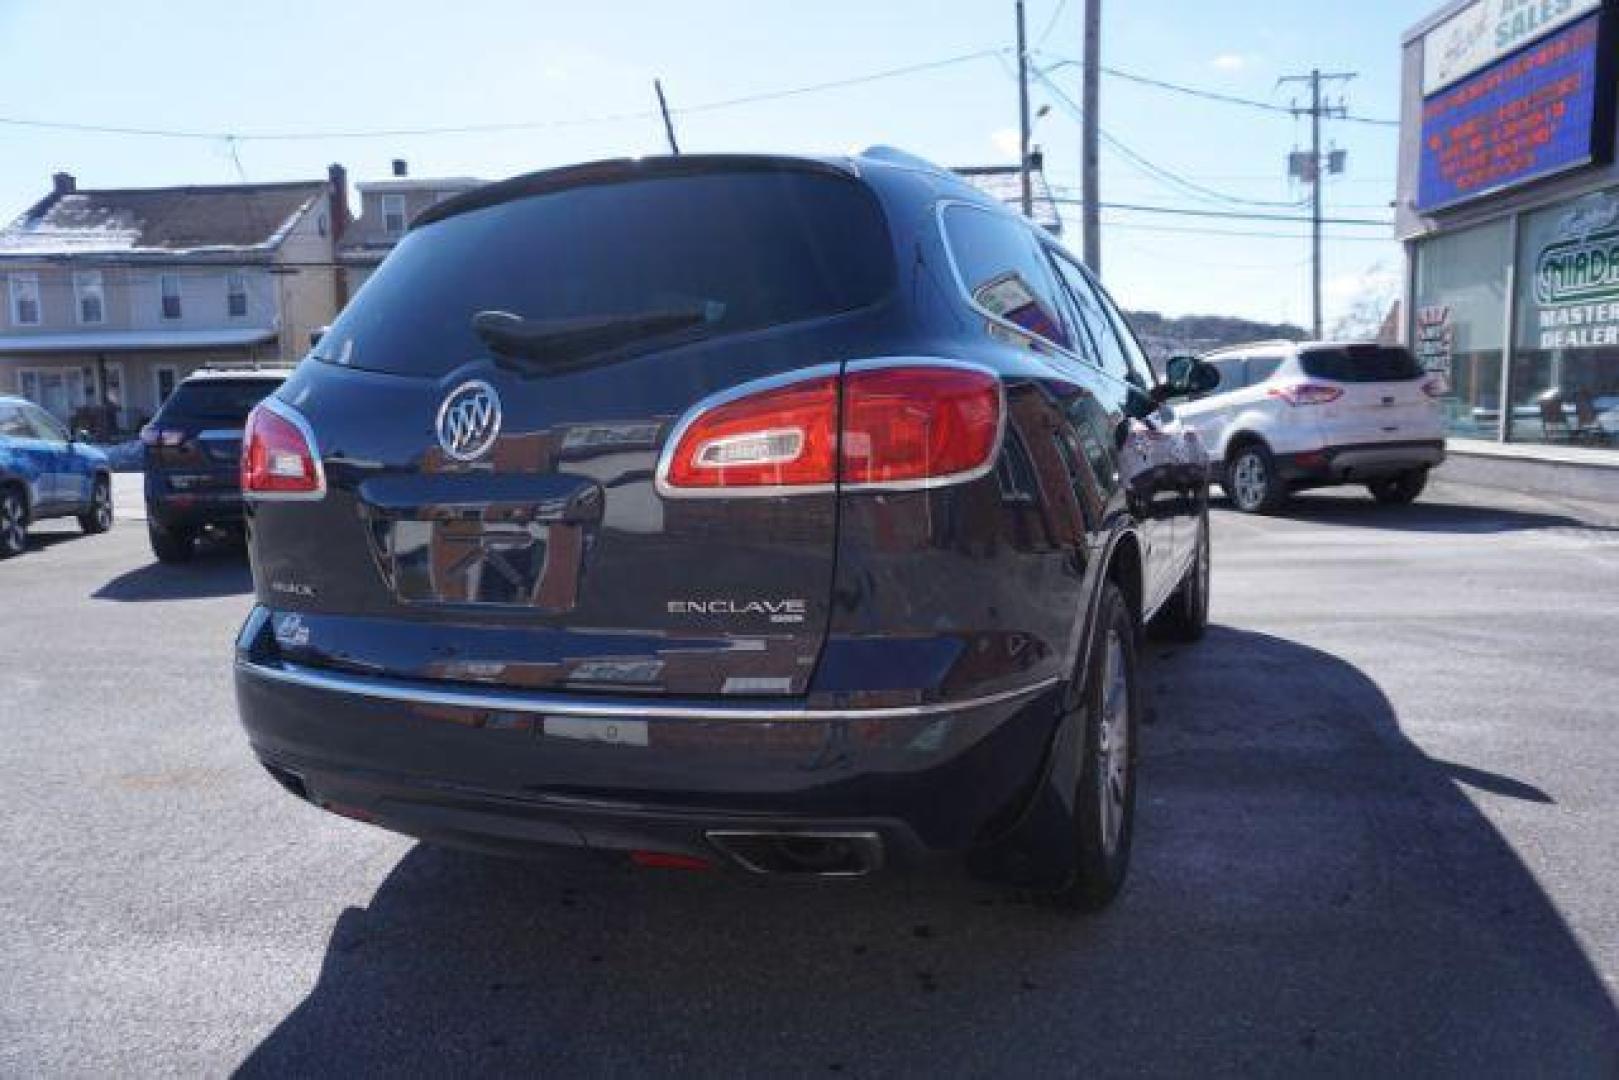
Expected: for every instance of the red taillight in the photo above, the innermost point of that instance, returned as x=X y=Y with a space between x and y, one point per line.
x=1306 y=393
x=278 y=458
x=784 y=436
x=1436 y=387
x=901 y=426
x=156 y=436
x=905 y=425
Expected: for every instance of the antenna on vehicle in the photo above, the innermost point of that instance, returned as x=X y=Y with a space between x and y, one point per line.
x=668 y=124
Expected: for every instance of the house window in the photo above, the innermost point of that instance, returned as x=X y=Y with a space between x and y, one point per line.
x=235 y=295
x=25 y=299
x=89 y=297
x=393 y=214
x=170 y=286
x=165 y=375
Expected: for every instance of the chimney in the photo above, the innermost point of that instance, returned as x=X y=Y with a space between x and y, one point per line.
x=63 y=183
x=337 y=178
x=400 y=168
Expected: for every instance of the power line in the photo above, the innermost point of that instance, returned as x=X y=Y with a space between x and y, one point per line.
x=490 y=128
x=1245 y=234
x=1158 y=171
x=1242 y=215
x=1051 y=24
x=1207 y=95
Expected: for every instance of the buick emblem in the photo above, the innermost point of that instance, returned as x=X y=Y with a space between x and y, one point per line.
x=469 y=420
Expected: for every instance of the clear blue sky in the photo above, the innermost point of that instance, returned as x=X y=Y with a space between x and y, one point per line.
x=300 y=66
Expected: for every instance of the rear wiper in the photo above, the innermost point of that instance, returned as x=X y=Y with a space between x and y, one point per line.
x=558 y=343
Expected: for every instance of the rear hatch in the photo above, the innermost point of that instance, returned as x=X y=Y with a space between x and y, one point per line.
x=1383 y=394
x=596 y=306
x=194 y=444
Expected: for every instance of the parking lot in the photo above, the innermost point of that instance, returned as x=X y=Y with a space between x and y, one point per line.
x=1377 y=832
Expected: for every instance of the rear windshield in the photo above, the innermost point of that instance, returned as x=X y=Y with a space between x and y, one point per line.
x=746 y=250
x=222 y=402
x=1361 y=363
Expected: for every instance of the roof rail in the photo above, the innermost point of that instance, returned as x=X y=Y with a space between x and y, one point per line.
x=894 y=156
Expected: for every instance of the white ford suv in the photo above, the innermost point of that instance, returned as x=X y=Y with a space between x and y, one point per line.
x=1292 y=415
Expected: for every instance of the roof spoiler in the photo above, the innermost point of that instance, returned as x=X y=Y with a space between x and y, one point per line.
x=622 y=170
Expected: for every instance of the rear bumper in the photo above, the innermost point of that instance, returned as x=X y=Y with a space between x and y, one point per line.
x=508 y=771
x=184 y=510
x=1359 y=462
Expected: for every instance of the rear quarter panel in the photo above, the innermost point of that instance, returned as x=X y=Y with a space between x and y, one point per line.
x=980 y=587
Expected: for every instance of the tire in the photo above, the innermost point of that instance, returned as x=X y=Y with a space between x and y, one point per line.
x=98 y=519
x=1186 y=616
x=1251 y=481
x=1104 y=817
x=13 y=523
x=171 y=545
x=1399 y=490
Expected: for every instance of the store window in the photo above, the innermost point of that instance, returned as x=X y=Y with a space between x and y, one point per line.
x=1565 y=369
x=1459 y=322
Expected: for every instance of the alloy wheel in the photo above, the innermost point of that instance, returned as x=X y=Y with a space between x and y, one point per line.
x=13 y=532
x=103 y=507
x=1249 y=480
x=1113 y=743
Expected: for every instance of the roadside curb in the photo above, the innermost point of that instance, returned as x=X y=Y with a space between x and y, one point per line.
x=1555 y=471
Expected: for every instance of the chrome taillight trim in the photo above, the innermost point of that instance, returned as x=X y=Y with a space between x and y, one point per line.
x=296 y=419
x=666 y=456
x=928 y=483
x=819 y=371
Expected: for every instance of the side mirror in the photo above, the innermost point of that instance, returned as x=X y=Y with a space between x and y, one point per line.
x=82 y=435
x=1186 y=376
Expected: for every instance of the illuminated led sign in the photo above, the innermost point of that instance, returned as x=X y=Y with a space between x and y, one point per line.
x=1540 y=111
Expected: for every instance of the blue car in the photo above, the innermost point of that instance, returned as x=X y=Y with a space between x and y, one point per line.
x=46 y=472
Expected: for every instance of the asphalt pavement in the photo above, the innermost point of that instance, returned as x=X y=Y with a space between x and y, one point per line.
x=1378 y=834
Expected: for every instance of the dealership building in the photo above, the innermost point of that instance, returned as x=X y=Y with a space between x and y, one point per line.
x=1508 y=206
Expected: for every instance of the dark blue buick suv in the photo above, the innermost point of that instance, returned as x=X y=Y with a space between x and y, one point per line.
x=800 y=516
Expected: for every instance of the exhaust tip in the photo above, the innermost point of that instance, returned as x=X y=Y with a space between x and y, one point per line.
x=800 y=853
x=291 y=781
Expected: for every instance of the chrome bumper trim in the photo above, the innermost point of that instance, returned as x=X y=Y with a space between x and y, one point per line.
x=494 y=700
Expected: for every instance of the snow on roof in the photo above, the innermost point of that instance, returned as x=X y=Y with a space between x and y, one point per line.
x=134 y=339
x=422 y=183
x=181 y=220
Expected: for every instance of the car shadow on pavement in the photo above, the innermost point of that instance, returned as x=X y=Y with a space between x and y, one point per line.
x=1311 y=893
x=1427 y=515
x=217 y=569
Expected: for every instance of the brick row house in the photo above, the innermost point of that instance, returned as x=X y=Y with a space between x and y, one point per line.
x=111 y=297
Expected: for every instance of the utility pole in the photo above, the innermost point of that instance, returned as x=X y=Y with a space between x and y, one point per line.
x=668 y=124
x=1091 y=122
x=1023 y=114
x=1311 y=169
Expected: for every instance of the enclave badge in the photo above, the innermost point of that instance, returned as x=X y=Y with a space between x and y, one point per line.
x=469 y=420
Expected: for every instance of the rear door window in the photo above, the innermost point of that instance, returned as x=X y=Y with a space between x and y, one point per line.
x=1004 y=271
x=225 y=402
x=12 y=425
x=1230 y=369
x=741 y=250
x=45 y=426
x=1360 y=363
x=1109 y=353
x=1261 y=368
x=1140 y=367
